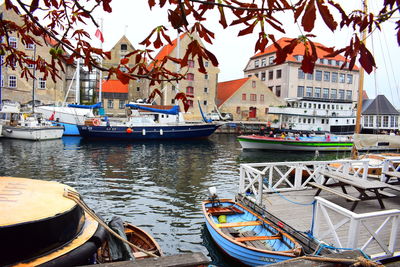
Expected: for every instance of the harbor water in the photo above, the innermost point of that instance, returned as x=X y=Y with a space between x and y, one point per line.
x=157 y=186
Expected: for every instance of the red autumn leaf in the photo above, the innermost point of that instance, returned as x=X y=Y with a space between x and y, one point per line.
x=175 y=18
x=222 y=19
x=326 y=15
x=106 y=6
x=307 y=65
x=309 y=17
x=152 y=3
x=299 y=10
x=249 y=29
x=124 y=61
x=34 y=5
x=366 y=59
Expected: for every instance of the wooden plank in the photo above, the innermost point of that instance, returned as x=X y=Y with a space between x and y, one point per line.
x=386 y=194
x=216 y=211
x=331 y=190
x=238 y=224
x=392 y=174
x=356 y=182
x=253 y=238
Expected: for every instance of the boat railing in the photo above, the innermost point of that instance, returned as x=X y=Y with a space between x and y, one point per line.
x=361 y=233
x=390 y=165
x=259 y=178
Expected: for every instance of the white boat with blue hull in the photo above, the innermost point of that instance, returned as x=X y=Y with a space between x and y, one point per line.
x=162 y=122
x=246 y=236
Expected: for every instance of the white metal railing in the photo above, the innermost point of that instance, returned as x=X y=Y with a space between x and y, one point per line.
x=259 y=178
x=382 y=228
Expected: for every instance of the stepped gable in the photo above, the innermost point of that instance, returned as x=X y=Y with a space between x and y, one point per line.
x=378 y=106
x=226 y=89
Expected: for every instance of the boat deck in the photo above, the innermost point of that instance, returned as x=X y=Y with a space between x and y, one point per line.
x=300 y=216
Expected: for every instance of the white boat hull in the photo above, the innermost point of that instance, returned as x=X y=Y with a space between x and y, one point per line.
x=33 y=133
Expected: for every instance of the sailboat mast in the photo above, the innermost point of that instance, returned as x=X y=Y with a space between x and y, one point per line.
x=77 y=81
x=357 y=129
x=34 y=80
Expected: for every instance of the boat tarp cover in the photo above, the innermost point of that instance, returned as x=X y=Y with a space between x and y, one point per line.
x=97 y=105
x=371 y=140
x=172 y=111
x=119 y=251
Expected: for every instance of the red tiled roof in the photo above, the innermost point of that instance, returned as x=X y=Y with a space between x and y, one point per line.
x=167 y=49
x=114 y=86
x=298 y=50
x=364 y=95
x=226 y=89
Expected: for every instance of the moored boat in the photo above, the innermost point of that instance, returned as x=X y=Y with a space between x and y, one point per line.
x=312 y=143
x=246 y=236
x=163 y=122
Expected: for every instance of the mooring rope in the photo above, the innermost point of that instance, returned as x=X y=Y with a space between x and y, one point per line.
x=360 y=261
x=75 y=196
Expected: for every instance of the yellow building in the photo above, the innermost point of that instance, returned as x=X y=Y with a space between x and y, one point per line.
x=197 y=86
x=247 y=99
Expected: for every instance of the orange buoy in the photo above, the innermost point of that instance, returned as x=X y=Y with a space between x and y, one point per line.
x=96 y=122
x=129 y=130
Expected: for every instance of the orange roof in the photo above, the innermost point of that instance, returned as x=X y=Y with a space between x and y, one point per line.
x=114 y=86
x=364 y=95
x=167 y=49
x=226 y=89
x=299 y=50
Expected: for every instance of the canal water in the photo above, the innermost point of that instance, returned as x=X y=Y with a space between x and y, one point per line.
x=158 y=186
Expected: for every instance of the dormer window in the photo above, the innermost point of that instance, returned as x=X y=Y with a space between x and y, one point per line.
x=124 y=47
x=256 y=63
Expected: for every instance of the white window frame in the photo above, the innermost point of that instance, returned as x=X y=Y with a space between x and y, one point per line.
x=41 y=83
x=12 y=78
x=13 y=41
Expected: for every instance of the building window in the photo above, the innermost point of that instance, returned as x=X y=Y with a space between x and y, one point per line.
x=41 y=83
x=190 y=76
x=2 y=80
x=261 y=98
x=173 y=87
x=110 y=103
x=327 y=76
x=317 y=92
x=271 y=60
x=124 y=47
x=333 y=94
x=309 y=92
x=137 y=89
x=205 y=76
x=205 y=90
x=253 y=97
x=243 y=96
x=256 y=63
x=121 y=104
x=263 y=76
x=349 y=94
x=253 y=84
x=190 y=90
x=270 y=75
x=191 y=63
x=341 y=77
x=13 y=42
x=12 y=81
x=318 y=75
x=385 y=121
x=278 y=90
x=29 y=46
x=341 y=94
x=334 y=77
x=205 y=102
x=278 y=74
x=237 y=110
x=173 y=101
x=310 y=76
x=266 y=110
x=349 y=78
x=325 y=93
x=301 y=74
x=206 y=64
x=31 y=66
x=263 y=62
x=190 y=103
x=300 y=91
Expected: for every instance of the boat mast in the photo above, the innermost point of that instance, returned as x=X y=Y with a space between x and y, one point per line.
x=101 y=64
x=34 y=80
x=357 y=129
x=77 y=81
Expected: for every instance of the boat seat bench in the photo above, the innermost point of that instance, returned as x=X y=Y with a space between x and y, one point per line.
x=216 y=211
x=333 y=191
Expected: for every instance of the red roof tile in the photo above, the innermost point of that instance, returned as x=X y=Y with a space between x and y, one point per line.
x=298 y=50
x=114 y=86
x=226 y=89
x=167 y=49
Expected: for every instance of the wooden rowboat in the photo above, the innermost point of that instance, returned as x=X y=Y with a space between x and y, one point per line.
x=246 y=236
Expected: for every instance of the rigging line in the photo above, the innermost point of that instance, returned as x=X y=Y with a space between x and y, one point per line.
x=386 y=67
x=396 y=85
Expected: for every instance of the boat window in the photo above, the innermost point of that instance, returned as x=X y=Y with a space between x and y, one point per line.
x=319 y=106
x=327 y=121
x=322 y=121
x=315 y=105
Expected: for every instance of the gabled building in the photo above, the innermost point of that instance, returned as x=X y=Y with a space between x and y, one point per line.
x=137 y=89
x=197 y=86
x=287 y=80
x=379 y=115
x=115 y=96
x=247 y=99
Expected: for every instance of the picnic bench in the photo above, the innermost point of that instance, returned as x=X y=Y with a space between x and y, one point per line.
x=389 y=175
x=361 y=185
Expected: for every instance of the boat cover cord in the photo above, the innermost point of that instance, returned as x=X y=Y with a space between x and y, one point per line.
x=75 y=196
x=360 y=261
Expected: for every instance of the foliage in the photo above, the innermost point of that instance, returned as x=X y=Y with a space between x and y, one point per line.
x=62 y=24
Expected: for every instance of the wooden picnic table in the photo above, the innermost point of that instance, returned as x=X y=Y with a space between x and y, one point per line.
x=361 y=185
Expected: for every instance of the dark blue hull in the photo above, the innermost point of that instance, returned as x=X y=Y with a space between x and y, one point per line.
x=148 y=132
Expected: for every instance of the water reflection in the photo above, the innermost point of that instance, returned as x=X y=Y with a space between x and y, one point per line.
x=156 y=185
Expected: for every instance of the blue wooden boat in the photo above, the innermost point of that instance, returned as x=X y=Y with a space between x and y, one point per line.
x=148 y=122
x=246 y=236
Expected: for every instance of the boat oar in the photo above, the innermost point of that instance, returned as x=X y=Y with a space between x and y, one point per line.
x=77 y=198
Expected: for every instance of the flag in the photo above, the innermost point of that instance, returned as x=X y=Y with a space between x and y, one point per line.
x=99 y=35
x=52 y=116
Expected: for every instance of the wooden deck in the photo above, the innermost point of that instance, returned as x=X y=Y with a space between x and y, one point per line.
x=300 y=216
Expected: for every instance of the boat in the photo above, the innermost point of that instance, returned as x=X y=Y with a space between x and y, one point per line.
x=246 y=236
x=45 y=227
x=27 y=126
x=70 y=116
x=312 y=143
x=147 y=122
